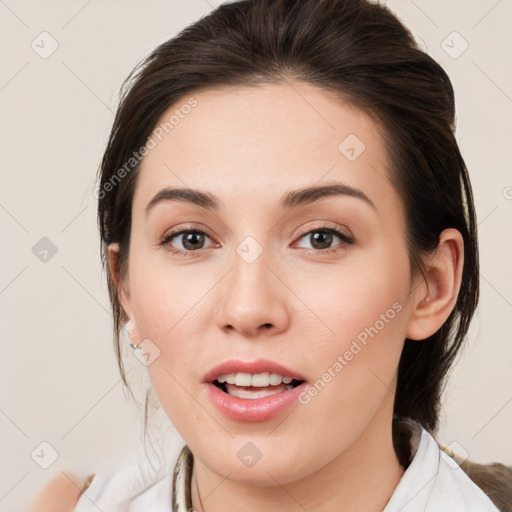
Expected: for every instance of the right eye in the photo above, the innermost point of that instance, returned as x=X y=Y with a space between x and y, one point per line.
x=189 y=240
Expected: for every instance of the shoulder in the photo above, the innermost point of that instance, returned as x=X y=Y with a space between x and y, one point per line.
x=494 y=479
x=140 y=480
x=61 y=493
x=454 y=484
x=136 y=484
x=435 y=481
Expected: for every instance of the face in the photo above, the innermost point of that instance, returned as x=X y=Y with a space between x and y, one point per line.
x=312 y=287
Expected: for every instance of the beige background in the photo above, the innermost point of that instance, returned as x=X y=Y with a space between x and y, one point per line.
x=59 y=378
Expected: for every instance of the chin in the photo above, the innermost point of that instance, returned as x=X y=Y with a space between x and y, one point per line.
x=269 y=465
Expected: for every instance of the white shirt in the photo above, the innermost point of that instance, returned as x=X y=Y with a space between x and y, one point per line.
x=433 y=482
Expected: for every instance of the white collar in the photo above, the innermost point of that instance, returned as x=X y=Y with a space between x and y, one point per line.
x=434 y=481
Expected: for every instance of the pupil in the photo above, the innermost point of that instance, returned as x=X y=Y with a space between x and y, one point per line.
x=324 y=237
x=190 y=240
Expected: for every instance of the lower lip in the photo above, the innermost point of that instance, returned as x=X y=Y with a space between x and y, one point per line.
x=257 y=409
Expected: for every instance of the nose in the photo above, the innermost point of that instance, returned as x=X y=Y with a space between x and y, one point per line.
x=253 y=299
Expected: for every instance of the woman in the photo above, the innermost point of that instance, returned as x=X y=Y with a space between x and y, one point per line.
x=290 y=239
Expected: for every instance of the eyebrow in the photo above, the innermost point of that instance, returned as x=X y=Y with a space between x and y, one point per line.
x=290 y=200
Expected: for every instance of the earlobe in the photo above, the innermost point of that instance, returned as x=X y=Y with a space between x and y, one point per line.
x=131 y=333
x=436 y=300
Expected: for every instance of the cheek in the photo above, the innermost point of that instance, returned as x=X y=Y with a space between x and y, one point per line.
x=366 y=311
x=166 y=296
x=364 y=347
x=170 y=305
x=363 y=293
x=355 y=369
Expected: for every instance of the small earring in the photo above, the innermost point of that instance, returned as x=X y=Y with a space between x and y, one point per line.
x=128 y=327
x=427 y=299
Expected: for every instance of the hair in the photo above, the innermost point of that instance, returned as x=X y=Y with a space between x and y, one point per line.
x=362 y=53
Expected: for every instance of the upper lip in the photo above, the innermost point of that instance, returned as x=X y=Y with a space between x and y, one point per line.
x=252 y=367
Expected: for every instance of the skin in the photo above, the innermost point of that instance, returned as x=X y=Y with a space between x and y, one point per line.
x=294 y=304
x=60 y=494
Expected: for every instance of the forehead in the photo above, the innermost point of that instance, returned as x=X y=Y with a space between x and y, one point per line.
x=261 y=141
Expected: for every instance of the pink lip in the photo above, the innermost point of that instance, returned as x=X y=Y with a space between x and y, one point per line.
x=258 y=409
x=258 y=366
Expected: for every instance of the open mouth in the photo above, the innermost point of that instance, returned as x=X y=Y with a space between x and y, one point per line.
x=253 y=386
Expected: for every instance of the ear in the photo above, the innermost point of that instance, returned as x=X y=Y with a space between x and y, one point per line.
x=122 y=288
x=435 y=299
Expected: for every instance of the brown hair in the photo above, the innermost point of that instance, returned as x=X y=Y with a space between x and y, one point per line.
x=494 y=479
x=360 y=51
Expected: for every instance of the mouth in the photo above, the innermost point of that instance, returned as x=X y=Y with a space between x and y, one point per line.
x=253 y=386
x=253 y=391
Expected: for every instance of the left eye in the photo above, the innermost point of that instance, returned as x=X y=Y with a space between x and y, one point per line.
x=322 y=238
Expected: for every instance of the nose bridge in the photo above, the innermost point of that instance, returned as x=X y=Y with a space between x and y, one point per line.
x=250 y=276
x=252 y=296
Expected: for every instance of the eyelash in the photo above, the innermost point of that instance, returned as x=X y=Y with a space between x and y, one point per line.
x=346 y=240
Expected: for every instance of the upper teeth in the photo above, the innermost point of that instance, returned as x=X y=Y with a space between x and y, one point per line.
x=259 y=380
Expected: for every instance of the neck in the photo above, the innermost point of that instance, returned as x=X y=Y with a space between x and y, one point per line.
x=362 y=478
